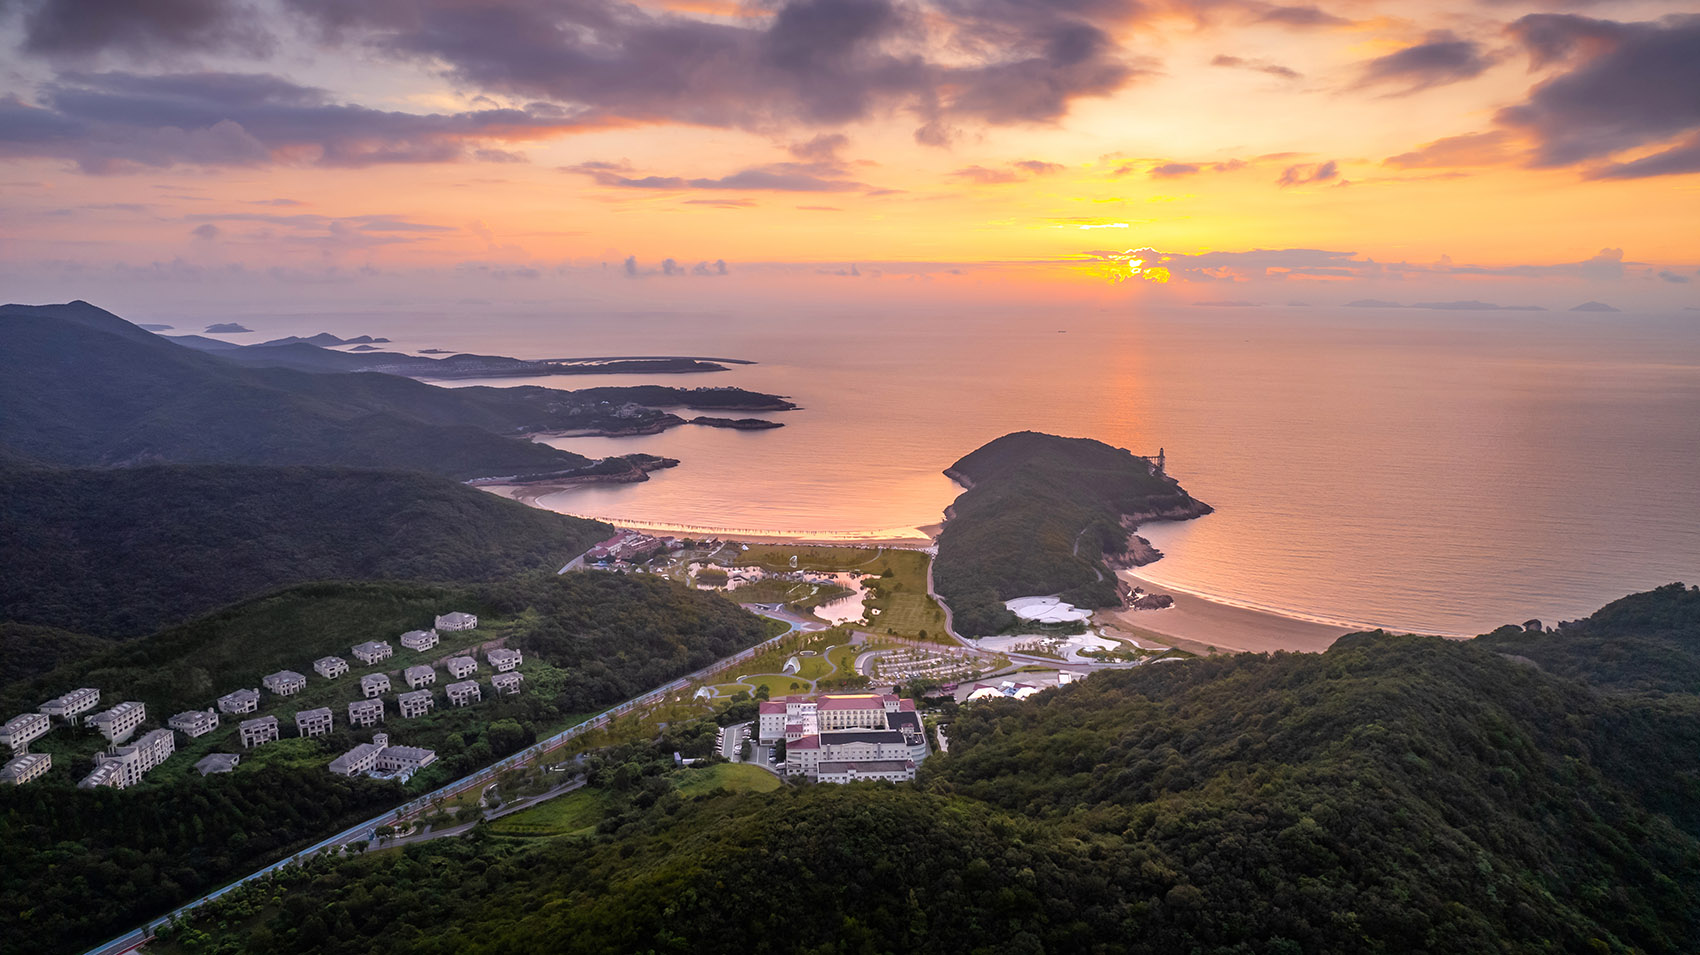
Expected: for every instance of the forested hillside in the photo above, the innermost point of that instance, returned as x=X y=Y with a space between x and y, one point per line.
x=1040 y=515
x=82 y=865
x=1648 y=641
x=125 y=551
x=1394 y=794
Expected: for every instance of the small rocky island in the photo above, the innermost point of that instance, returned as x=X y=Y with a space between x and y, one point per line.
x=737 y=424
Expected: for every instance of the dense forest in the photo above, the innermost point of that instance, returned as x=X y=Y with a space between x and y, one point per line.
x=1040 y=516
x=1394 y=794
x=124 y=551
x=590 y=640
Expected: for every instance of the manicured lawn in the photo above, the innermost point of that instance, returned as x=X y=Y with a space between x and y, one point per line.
x=737 y=777
x=576 y=811
x=778 y=557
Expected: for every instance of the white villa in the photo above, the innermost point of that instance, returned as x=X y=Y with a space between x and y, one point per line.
x=365 y=712
x=258 y=732
x=464 y=692
x=417 y=703
x=506 y=682
x=284 y=682
x=462 y=667
x=218 y=763
x=118 y=723
x=124 y=765
x=22 y=769
x=19 y=730
x=72 y=704
x=457 y=621
x=193 y=723
x=502 y=659
x=374 y=684
x=380 y=756
x=330 y=667
x=372 y=651
x=238 y=702
x=420 y=640
x=317 y=722
x=418 y=676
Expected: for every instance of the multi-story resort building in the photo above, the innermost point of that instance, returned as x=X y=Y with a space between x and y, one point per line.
x=462 y=667
x=237 y=702
x=316 y=722
x=330 y=667
x=218 y=763
x=22 y=769
x=124 y=765
x=380 y=756
x=464 y=692
x=258 y=732
x=374 y=684
x=842 y=737
x=797 y=716
x=19 y=730
x=372 y=651
x=72 y=705
x=502 y=659
x=420 y=640
x=284 y=682
x=365 y=712
x=457 y=621
x=193 y=723
x=118 y=723
x=419 y=676
x=417 y=703
x=507 y=683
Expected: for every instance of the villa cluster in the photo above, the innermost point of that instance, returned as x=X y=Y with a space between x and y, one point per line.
x=845 y=737
x=122 y=765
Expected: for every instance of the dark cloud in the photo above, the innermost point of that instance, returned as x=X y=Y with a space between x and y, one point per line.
x=1304 y=173
x=772 y=177
x=1470 y=149
x=140 y=29
x=1301 y=17
x=1261 y=66
x=227 y=328
x=1675 y=277
x=118 y=122
x=1039 y=167
x=1440 y=59
x=722 y=203
x=153 y=328
x=205 y=230
x=1607 y=265
x=1173 y=170
x=822 y=148
x=1628 y=85
x=812 y=61
x=1014 y=172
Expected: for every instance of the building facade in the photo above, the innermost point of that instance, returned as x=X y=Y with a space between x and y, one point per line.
x=218 y=763
x=22 y=769
x=895 y=771
x=330 y=667
x=420 y=640
x=238 y=702
x=457 y=621
x=506 y=683
x=72 y=705
x=419 y=676
x=118 y=723
x=462 y=667
x=365 y=712
x=416 y=703
x=316 y=722
x=502 y=659
x=19 y=730
x=372 y=651
x=124 y=766
x=193 y=723
x=258 y=732
x=284 y=682
x=374 y=684
x=464 y=692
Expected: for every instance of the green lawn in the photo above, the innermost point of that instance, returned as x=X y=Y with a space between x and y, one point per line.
x=736 y=777
x=577 y=811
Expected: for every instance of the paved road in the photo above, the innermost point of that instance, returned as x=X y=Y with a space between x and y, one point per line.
x=363 y=832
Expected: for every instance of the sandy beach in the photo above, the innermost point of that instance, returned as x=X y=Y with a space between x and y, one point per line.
x=1196 y=623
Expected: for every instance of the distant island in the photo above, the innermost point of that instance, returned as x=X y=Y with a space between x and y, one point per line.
x=737 y=424
x=1043 y=514
x=318 y=353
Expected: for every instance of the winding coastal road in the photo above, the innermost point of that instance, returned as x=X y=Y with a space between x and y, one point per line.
x=364 y=831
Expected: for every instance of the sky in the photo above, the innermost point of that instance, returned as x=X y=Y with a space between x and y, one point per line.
x=200 y=155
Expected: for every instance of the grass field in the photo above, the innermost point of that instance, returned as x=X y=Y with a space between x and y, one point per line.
x=896 y=582
x=778 y=557
x=736 y=777
x=797 y=593
x=577 y=811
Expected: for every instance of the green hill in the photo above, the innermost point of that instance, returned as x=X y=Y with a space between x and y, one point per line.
x=124 y=551
x=1044 y=515
x=1394 y=794
x=1643 y=642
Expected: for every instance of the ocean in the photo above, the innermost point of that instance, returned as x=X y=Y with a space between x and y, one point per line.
x=1432 y=471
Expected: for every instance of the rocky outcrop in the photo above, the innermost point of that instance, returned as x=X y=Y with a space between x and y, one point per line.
x=737 y=424
x=1151 y=602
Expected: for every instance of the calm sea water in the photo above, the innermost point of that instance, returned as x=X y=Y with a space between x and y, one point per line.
x=1438 y=472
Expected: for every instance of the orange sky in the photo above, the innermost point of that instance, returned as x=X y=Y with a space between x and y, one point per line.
x=1233 y=130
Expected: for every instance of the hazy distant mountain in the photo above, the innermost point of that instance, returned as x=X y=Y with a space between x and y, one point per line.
x=84 y=387
x=123 y=551
x=326 y=340
x=1594 y=307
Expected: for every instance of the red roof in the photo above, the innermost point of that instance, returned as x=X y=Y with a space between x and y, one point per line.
x=807 y=742
x=771 y=707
